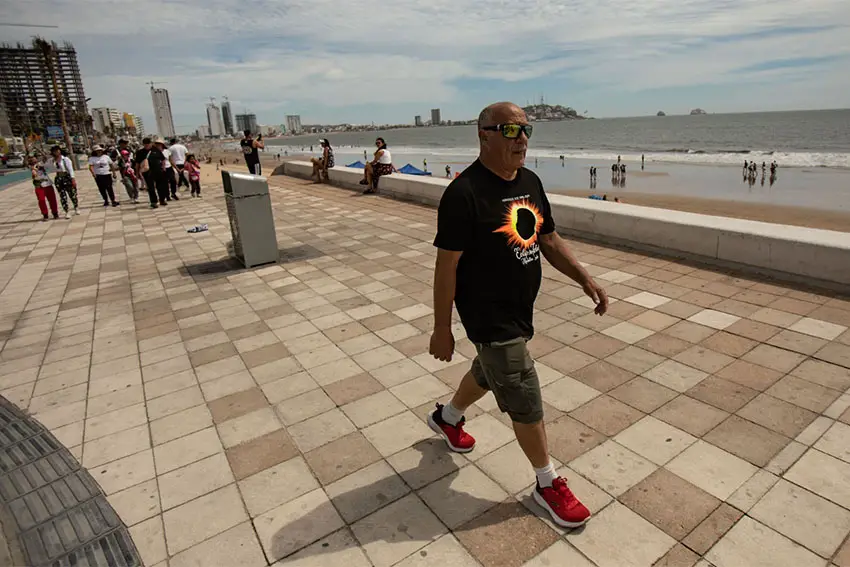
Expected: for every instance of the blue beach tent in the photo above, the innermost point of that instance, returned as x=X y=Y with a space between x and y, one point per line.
x=411 y=170
x=357 y=164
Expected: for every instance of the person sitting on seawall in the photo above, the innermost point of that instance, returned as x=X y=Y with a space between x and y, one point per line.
x=322 y=164
x=381 y=165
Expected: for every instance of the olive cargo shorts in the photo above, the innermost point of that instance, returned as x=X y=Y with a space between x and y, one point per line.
x=506 y=369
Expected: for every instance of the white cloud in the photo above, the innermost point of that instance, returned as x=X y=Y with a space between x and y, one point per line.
x=323 y=56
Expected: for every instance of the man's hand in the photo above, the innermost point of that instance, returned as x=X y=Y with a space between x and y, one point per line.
x=74 y=183
x=442 y=344
x=598 y=295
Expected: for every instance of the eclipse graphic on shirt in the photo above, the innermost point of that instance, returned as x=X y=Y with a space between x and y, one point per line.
x=522 y=221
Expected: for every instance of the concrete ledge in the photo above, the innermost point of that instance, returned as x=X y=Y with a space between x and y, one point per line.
x=789 y=252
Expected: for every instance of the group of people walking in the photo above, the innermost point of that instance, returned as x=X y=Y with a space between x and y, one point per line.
x=158 y=167
x=751 y=172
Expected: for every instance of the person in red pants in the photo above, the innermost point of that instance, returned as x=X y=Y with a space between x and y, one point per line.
x=43 y=188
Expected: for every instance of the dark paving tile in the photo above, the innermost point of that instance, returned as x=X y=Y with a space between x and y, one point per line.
x=607 y=415
x=237 y=404
x=747 y=440
x=260 y=453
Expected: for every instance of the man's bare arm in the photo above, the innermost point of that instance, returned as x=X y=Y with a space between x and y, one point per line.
x=445 y=281
x=557 y=253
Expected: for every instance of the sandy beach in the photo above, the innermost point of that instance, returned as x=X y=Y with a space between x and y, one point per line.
x=765 y=212
x=779 y=214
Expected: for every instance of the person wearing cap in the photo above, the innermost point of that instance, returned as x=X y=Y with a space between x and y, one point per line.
x=101 y=168
x=64 y=180
x=150 y=165
x=125 y=167
x=322 y=164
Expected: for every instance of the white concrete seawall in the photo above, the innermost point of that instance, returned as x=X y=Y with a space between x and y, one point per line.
x=789 y=252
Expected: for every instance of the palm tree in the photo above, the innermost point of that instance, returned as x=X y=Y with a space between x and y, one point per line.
x=48 y=51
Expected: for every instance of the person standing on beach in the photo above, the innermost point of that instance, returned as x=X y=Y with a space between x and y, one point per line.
x=64 y=180
x=642 y=159
x=251 y=150
x=493 y=223
x=448 y=172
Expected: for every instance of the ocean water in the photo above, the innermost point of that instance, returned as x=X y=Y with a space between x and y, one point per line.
x=818 y=138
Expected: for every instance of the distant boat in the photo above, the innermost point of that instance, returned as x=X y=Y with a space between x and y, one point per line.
x=661 y=113
x=698 y=111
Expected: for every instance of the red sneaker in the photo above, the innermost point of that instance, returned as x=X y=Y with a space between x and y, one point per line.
x=562 y=505
x=456 y=438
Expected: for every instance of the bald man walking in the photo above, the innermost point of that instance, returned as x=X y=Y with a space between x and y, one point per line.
x=493 y=223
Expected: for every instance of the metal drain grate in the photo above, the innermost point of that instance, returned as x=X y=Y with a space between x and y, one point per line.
x=61 y=515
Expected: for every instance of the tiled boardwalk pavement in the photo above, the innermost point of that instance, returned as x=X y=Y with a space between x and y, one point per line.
x=247 y=417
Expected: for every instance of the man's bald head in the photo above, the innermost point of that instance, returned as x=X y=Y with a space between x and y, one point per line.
x=502 y=155
x=497 y=113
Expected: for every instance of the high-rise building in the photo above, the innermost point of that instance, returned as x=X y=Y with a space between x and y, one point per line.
x=162 y=112
x=134 y=124
x=246 y=122
x=107 y=120
x=293 y=124
x=436 y=120
x=227 y=116
x=5 y=127
x=203 y=131
x=26 y=87
x=417 y=120
x=214 y=121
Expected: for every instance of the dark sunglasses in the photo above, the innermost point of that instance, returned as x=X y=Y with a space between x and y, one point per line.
x=511 y=131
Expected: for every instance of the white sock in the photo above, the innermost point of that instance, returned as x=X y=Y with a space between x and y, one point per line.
x=546 y=475
x=451 y=414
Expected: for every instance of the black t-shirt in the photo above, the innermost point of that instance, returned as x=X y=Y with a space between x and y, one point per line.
x=156 y=159
x=496 y=224
x=252 y=155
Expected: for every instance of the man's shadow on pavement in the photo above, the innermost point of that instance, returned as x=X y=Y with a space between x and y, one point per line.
x=435 y=464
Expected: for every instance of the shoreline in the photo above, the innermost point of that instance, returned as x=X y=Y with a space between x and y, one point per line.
x=777 y=214
x=793 y=215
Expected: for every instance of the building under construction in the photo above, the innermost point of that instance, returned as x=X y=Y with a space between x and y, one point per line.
x=28 y=93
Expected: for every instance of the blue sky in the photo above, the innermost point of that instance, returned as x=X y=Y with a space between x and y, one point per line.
x=367 y=61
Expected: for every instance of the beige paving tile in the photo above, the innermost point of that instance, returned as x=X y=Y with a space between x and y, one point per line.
x=655 y=440
x=366 y=490
x=806 y=518
x=397 y=531
x=824 y=373
x=752 y=491
x=239 y=545
x=173 y=403
x=628 y=332
x=321 y=429
x=179 y=424
x=136 y=503
x=619 y=537
x=303 y=407
x=180 y=452
x=803 y=393
x=297 y=523
x=613 y=467
x=462 y=495
x=675 y=375
x=425 y=462
x=568 y=393
x=714 y=470
x=559 y=553
x=445 y=551
x=752 y=543
x=490 y=435
x=774 y=358
x=836 y=441
x=335 y=371
x=149 y=537
x=193 y=480
x=288 y=387
x=115 y=421
x=714 y=319
x=116 y=446
x=248 y=426
x=276 y=485
x=818 y=328
x=420 y=390
x=124 y=473
x=396 y=433
x=202 y=518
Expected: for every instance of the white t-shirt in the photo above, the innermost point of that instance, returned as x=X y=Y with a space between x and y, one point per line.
x=179 y=152
x=64 y=165
x=166 y=152
x=386 y=157
x=101 y=164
